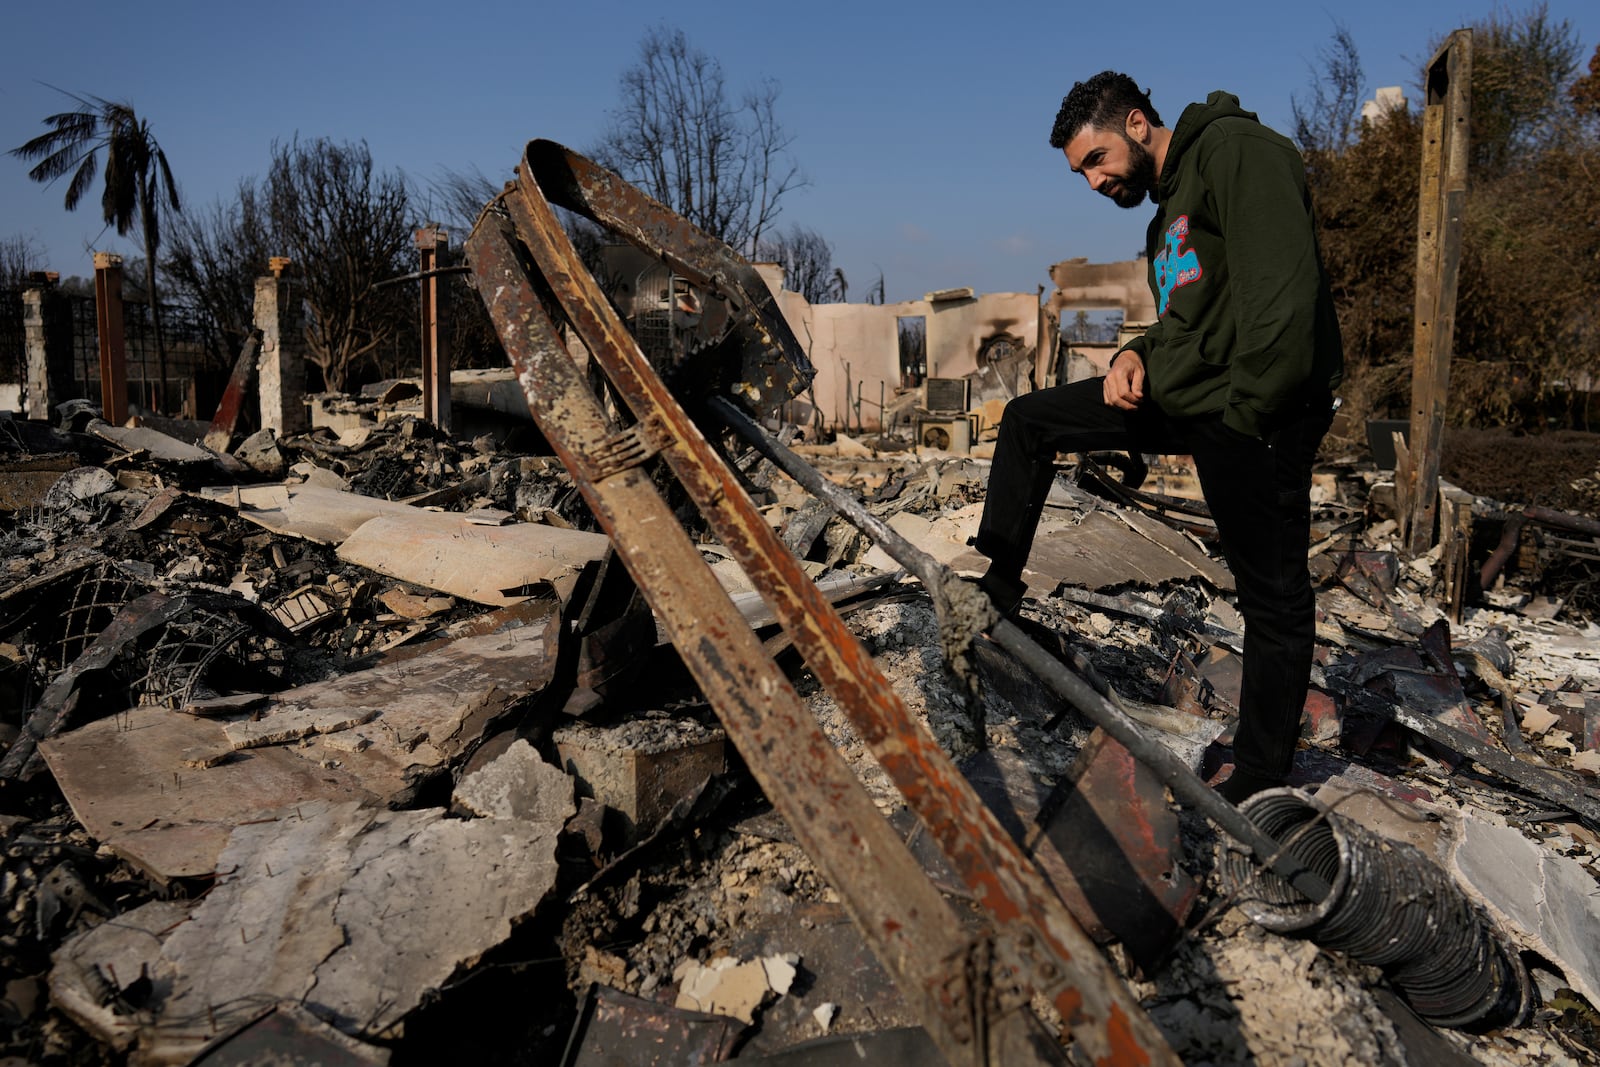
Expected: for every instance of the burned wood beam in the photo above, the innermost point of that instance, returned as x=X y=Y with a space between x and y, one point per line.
x=1441 y=212
x=220 y=434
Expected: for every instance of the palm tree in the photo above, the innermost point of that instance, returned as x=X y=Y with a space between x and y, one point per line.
x=136 y=177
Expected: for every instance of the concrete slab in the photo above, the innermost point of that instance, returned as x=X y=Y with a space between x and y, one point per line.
x=357 y=915
x=166 y=789
x=1547 y=901
x=493 y=565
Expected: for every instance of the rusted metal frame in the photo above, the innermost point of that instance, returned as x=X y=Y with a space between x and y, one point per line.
x=112 y=339
x=1441 y=207
x=1044 y=948
x=1100 y=710
x=774 y=367
x=905 y=920
x=431 y=242
x=220 y=433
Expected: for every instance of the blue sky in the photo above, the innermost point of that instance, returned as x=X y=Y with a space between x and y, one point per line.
x=922 y=127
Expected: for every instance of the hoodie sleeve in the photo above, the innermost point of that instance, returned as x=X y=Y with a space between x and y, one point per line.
x=1258 y=181
x=1143 y=344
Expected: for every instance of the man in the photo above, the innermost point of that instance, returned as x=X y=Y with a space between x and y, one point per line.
x=1237 y=371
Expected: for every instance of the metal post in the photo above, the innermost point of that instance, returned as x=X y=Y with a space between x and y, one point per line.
x=1441 y=205
x=431 y=241
x=113 y=344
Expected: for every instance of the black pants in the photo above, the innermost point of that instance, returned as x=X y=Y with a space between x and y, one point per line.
x=1259 y=493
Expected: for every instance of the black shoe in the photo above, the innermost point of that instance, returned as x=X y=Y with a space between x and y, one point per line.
x=1004 y=592
x=1242 y=785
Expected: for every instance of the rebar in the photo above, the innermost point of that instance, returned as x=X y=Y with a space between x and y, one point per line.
x=1389 y=907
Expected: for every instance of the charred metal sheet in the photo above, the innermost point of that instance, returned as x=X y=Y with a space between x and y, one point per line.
x=1408 y=676
x=771 y=366
x=1106 y=838
x=1095 y=479
x=1110 y=823
x=1037 y=947
x=149 y=612
x=909 y=924
x=1542 y=782
x=198 y=636
x=220 y=435
x=615 y=1027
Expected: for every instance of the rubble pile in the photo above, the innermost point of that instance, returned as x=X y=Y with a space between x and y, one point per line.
x=359 y=745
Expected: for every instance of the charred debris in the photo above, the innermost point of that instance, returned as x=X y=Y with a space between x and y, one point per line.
x=673 y=737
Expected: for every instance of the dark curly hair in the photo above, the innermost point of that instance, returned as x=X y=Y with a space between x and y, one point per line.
x=1102 y=102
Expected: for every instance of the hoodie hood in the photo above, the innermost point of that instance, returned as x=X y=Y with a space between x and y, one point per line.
x=1191 y=124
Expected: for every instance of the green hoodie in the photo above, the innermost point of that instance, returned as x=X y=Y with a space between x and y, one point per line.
x=1246 y=326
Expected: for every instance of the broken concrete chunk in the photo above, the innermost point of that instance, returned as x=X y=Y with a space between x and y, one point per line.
x=412 y=606
x=309 y=914
x=1548 y=901
x=519 y=784
x=107 y=959
x=261 y=454
x=223 y=706
x=149 y=784
x=321 y=477
x=493 y=565
x=1536 y=718
x=642 y=768
x=726 y=986
x=146 y=784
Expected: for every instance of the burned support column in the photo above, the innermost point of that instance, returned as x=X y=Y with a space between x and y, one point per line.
x=432 y=240
x=47 y=338
x=282 y=369
x=1441 y=206
x=113 y=350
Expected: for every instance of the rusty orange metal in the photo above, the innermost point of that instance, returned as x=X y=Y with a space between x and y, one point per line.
x=903 y=917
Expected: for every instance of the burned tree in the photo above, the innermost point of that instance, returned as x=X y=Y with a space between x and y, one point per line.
x=217 y=255
x=807 y=261
x=346 y=227
x=723 y=165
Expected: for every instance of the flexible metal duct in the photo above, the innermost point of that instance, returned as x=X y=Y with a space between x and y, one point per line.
x=1389 y=907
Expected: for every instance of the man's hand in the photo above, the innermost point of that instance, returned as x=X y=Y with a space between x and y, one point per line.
x=1124 y=383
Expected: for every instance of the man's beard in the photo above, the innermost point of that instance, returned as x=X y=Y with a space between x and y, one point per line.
x=1141 y=180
